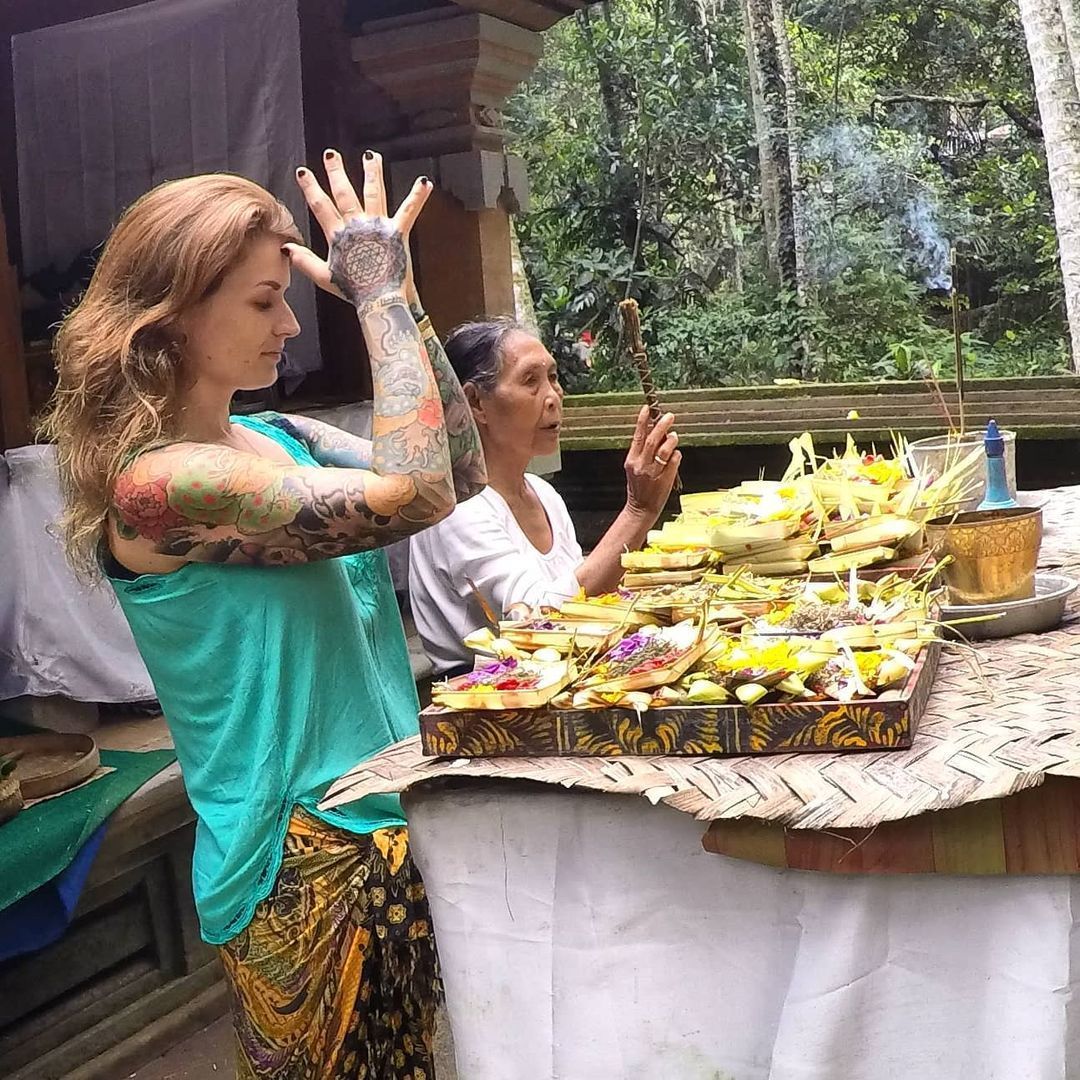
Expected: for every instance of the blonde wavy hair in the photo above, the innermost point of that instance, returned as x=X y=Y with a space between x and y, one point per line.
x=118 y=354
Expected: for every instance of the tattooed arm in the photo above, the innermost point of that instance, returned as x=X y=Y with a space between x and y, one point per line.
x=327 y=444
x=330 y=445
x=467 y=458
x=209 y=503
x=203 y=503
x=368 y=266
x=466 y=453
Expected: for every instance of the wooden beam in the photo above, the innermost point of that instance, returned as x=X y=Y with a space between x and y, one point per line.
x=14 y=385
x=531 y=14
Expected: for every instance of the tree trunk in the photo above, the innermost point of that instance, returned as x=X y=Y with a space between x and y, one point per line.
x=774 y=111
x=1059 y=106
x=766 y=164
x=798 y=192
x=734 y=236
x=608 y=96
x=1070 y=17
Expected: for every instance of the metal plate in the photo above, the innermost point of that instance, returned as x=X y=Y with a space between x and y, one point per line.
x=1044 y=611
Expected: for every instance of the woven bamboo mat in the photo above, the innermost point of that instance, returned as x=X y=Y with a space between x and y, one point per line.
x=991 y=728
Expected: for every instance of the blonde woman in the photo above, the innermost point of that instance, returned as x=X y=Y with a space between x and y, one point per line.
x=245 y=555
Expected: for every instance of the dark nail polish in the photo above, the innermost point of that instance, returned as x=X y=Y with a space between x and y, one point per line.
x=328 y=154
x=301 y=171
x=369 y=155
x=425 y=181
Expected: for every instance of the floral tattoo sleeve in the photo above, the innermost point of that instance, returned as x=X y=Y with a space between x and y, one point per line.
x=211 y=503
x=215 y=504
x=328 y=445
x=466 y=452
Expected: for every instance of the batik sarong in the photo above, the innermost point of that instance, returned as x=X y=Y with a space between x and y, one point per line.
x=335 y=977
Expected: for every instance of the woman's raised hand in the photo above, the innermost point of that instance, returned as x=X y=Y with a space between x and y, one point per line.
x=652 y=464
x=368 y=261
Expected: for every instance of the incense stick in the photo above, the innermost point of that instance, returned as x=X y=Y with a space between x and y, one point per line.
x=631 y=332
x=485 y=607
x=958 y=344
x=631 y=321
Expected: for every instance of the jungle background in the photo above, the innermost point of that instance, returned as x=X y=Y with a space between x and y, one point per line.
x=781 y=184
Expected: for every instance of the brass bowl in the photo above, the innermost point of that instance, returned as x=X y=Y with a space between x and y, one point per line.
x=992 y=553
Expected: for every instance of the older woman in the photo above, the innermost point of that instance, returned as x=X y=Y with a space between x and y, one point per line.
x=514 y=544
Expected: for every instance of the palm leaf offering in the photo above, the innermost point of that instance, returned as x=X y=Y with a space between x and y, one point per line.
x=651 y=560
x=651 y=656
x=743 y=626
x=734 y=639
x=504 y=684
x=826 y=515
x=622 y=605
x=567 y=635
x=662 y=577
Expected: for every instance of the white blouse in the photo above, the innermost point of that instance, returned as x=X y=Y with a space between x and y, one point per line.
x=482 y=540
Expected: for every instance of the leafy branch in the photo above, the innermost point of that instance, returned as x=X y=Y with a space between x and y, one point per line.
x=1026 y=124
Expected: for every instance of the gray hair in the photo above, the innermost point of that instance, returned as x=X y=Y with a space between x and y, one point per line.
x=475 y=350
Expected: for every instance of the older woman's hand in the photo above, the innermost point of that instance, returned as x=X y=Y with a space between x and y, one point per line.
x=651 y=464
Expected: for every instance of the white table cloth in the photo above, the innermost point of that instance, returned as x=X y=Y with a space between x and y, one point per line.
x=591 y=937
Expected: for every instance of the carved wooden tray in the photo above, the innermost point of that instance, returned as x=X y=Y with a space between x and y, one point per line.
x=884 y=723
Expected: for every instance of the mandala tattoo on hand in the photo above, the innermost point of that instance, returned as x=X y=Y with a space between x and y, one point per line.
x=367 y=260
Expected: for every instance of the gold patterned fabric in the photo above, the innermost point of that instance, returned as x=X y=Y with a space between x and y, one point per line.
x=335 y=977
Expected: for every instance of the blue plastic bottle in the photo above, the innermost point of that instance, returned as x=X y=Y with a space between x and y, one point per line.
x=997 y=484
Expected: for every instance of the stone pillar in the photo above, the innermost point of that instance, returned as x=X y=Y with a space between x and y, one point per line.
x=449 y=72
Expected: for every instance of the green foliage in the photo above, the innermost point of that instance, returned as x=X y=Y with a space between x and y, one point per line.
x=639 y=139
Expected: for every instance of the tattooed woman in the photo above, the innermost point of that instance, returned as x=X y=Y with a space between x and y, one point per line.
x=245 y=555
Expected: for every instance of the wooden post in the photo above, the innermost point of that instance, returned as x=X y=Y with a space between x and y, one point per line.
x=463 y=264
x=14 y=386
x=448 y=73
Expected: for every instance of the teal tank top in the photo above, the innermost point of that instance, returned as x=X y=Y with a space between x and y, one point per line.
x=274 y=681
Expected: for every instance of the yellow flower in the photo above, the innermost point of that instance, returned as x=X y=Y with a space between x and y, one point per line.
x=853 y=414
x=396 y=913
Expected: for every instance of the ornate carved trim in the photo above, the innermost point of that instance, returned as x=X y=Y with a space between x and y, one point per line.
x=449 y=76
x=478 y=179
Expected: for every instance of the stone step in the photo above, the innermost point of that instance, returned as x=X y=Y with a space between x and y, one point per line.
x=800 y=422
x=1063 y=400
x=775 y=430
